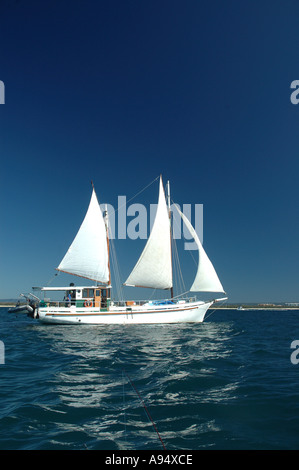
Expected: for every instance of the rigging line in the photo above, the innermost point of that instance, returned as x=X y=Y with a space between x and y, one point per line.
x=177 y=268
x=176 y=258
x=190 y=251
x=213 y=311
x=137 y=194
x=180 y=295
x=144 y=406
x=115 y=267
x=53 y=277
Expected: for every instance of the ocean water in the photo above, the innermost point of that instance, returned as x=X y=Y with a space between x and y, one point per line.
x=228 y=383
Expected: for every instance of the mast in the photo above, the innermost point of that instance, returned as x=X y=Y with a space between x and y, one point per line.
x=169 y=214
x=107 y=234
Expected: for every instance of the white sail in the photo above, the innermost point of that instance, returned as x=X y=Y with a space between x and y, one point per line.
x=88 y=254
x=154 y=268
x=206 y=279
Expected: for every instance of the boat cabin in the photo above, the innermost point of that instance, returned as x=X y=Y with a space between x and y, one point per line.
x=82 y=296
x=90 y=296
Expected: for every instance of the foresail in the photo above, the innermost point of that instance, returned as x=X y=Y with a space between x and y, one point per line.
x=88 y=254
x=206 y=279
x=154 y=268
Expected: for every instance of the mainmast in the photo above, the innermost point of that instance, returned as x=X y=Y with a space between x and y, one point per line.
x=106 y=219
x=169 y=214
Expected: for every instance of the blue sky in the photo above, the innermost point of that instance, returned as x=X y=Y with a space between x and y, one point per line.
x=119 y=92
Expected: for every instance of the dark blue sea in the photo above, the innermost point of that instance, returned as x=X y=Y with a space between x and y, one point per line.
x=228 y=383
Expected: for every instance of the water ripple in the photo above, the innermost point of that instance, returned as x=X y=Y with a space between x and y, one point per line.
x=227 y=383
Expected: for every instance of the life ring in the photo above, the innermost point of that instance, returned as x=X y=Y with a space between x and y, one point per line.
x=88 y=303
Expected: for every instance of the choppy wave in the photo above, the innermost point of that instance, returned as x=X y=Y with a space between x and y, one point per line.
x=225 y=384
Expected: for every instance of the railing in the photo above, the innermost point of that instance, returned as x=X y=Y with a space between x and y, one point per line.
x=130 y=303
x=115 y=303
x=73 y=303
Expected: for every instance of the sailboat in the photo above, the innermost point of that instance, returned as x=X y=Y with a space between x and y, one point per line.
x=89 y=257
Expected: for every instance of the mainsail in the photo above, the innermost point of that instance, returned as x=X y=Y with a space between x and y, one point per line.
x=206 y=279
x=154 y=269
x=88 y=254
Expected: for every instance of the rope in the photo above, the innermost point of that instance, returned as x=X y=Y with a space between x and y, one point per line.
x=137 y=194
x=213 y=311
x=177 y=269
x=115 y=268
x=146 y=410
x=52 y=278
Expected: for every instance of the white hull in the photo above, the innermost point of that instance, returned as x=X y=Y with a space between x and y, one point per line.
x=182 y=313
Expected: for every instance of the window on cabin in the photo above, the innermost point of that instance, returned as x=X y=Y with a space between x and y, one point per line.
x=87 y=293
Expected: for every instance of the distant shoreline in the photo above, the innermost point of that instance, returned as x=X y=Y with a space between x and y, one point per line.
x=7 y=305
x=213 y=307
x=244 y=309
